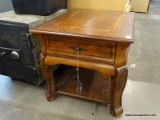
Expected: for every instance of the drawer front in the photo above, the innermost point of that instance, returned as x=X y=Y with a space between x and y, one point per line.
x=59 y=46
x=102 y=51
x=90 y=51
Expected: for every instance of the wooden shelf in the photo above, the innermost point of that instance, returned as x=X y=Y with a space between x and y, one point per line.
x=96 y=86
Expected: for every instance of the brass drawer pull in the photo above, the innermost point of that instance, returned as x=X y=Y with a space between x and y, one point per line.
x=77 y=48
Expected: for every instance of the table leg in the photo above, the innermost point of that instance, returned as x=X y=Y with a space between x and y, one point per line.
x=51 y=87
x=118 y=85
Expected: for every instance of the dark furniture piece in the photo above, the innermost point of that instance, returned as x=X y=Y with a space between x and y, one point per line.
x=18 y=54
x=97 y=42
x=38 y=7
x=19 y=50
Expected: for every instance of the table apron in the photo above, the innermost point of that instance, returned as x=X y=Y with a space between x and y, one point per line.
x=104 y=68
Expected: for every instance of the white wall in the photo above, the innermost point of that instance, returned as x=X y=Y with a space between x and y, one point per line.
x=5 y=5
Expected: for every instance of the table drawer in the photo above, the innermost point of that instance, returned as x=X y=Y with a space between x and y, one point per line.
x=89 y=50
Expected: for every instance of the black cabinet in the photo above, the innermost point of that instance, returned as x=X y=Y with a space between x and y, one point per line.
x=19 y=53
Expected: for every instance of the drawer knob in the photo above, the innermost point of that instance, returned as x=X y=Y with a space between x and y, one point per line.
x=14 y=55
x=77 y=48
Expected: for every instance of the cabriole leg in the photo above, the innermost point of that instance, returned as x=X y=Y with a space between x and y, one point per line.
x=51 y=87
x=118 y=85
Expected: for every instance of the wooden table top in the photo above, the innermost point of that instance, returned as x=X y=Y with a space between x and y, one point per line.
x=116 y=26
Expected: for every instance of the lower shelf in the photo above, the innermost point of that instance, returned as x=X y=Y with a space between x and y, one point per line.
x=96 y=86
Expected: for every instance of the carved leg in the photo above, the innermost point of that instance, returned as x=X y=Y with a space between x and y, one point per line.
x=51 y=87
x=118 y=85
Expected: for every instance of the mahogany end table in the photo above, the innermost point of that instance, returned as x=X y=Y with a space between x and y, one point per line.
x=102 y=40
